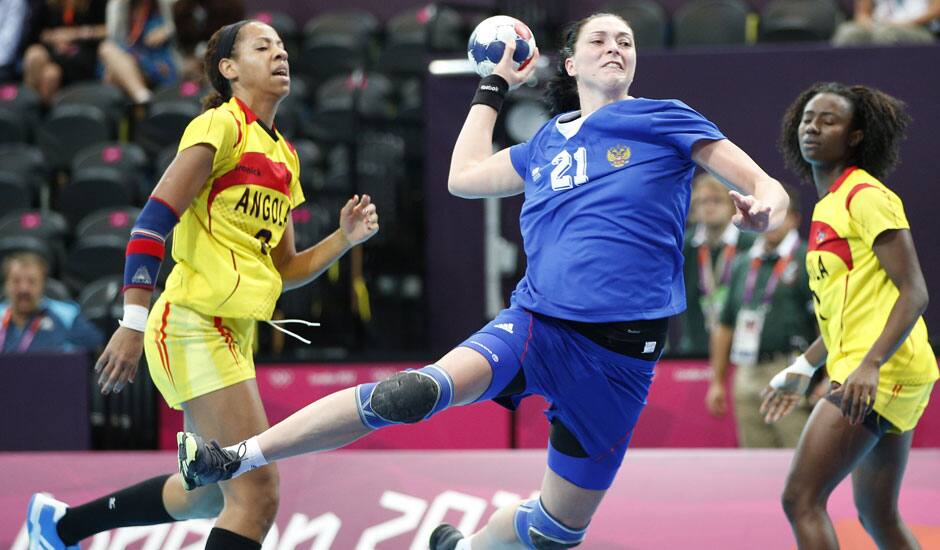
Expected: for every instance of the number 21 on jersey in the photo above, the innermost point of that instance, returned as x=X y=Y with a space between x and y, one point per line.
x=561 y=179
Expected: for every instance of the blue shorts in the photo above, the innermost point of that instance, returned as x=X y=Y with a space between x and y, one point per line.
x=595 y=394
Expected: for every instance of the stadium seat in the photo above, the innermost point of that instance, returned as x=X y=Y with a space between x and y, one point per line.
x=162 y=161
x=109 y=99
x=19 y=112
x=47 y=226
x=412 y=34
x=337 y=42
x=285 y=25
x=343 y=101
x=710 y=23
x=799 y=20
x=28 y=161
x=647 y=18
x=102 y=302
x=164 y=124
x=28 y=243
x=70 y=128
x=16 y=193
x=128 y=158
x=312 y=222
x=93 y=258
x=57 y=290
x=92 y=189
x=186 y=89
x=108 y=221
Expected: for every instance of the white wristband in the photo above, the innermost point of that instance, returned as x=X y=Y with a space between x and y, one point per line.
x=135 y=317
x=800 y=366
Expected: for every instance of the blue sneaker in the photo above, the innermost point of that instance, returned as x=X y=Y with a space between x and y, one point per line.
x=42 y=516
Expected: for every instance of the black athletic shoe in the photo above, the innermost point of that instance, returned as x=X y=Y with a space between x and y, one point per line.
x=444 y=537
x=203 y=463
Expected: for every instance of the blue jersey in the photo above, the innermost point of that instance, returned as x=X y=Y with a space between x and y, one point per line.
x=606 y=198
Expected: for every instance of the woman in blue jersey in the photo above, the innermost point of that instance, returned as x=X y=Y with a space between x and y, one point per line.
x=606 y=195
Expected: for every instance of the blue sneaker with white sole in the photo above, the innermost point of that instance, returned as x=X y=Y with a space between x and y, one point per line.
x=42 y=517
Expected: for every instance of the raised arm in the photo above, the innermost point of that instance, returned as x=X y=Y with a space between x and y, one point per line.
x=475 y=171
x=760 y=200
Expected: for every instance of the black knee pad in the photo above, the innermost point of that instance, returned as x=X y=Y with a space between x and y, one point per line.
x=405 y=398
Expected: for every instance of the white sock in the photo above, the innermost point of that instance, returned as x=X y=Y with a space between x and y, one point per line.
x=251 y=456
x=463 y=544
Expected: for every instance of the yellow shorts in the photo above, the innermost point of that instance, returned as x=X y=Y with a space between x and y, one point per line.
x=190 y=354
x=902 y=404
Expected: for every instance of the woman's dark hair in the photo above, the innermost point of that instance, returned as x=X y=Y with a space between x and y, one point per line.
x=880 y=117
x=221 y=45
x=561 y=95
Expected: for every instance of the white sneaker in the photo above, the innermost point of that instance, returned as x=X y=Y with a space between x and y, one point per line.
x=42 y=516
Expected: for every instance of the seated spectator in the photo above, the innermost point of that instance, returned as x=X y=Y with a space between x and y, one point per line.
x=710 y=246
x=67 y=50
x=890 y=22
x=766 y=320
x=138 y=53
x=34 y=323
x=14 y=26
x=195 y=22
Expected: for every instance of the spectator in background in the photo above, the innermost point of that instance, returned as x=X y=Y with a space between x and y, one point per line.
x=14 y=27
x=195 y=21
x=32 y=322
x=67 y=47
x=708 y=252
x=890 y=22
x=138 y=52
x=766 y=320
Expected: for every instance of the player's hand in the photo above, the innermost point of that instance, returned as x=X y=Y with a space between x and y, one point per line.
x=358 y=219
x=779 y=402
x=858 y=392
x=752 y=214
x=117 y=365
x=505 y=67
x=716 y=400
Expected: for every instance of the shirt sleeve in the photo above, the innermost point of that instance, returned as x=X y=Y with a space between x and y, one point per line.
x=683 y=127
x=83 y=334
x=296 y=190
x=874 y=210
x=519 y=154
x=216 y=128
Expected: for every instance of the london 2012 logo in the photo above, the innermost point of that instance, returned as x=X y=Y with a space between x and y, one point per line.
x=618 y=155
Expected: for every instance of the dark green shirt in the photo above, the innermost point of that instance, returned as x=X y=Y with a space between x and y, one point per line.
x=693 y=341
x=790 y=324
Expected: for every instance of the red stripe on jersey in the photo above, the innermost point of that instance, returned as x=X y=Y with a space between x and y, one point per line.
x=145 y=246
x=249 y=115
x=824 y=238
x=853 y=192
x=252 y=169
x=838 y=183
x=239 y=126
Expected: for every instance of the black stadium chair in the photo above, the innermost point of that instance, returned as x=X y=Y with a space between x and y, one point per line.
x=799 y=20
x=286 y=28
x=28 y=243
x=102 y=303
x=92 y=189
x=19 y=112
x=116 y=222
x=412 y=34
x=165 y=123
x=47 y=226
x=710 y=23
x=28 y=161
x=187 y=89
x=16 y=192
x=128 y=158
x=109 y=99
x=337 y=42
x=70 y=128
x=57 y=290
x=344 y=99
x=92 y=258
x=647 y=18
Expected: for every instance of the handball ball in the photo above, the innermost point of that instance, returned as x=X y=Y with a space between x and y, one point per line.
x=489 y=39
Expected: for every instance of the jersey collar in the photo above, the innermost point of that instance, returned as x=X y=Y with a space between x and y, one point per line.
x=845 y=174
x=250 y=117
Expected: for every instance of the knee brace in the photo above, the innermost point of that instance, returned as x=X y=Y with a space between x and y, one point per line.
x=539 y=531
x=405 y=398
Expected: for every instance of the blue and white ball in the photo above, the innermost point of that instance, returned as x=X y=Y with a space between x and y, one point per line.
x=489 y=40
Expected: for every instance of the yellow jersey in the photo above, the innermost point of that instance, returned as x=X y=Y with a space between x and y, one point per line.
x=222 y=243
x=852 y=292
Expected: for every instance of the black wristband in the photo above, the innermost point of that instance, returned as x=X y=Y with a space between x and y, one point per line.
x=491 y=91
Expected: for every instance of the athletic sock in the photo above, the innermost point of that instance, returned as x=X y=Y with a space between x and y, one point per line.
x=140 y=504
x=252 y=457
x=223 y=539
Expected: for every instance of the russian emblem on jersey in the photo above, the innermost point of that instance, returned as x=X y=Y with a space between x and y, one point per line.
x=489 y=39
x=618 y=155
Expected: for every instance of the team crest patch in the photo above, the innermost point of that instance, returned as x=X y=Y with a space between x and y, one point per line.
x=618 y=155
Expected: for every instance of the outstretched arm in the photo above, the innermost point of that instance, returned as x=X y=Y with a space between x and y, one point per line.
x=760 y=200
